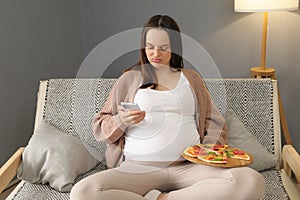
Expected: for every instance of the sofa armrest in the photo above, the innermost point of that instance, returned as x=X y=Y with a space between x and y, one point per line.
x=9 y=169
x=291 y=161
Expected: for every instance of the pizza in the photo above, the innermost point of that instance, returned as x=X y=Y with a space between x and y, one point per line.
x=237 y=154
x=194 y=151
x=216 y=148
x=215 y=153
x=213 y=157
x=212 y=153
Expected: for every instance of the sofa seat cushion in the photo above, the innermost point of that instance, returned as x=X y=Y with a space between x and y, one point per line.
x=274 y=188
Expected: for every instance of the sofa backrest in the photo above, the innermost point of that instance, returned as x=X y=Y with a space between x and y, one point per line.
x=255 y=102
x=70 y=104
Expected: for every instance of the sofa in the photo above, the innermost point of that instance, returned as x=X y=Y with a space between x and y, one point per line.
x=62 y=149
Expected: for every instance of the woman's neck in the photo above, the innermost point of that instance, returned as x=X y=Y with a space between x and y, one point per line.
x=167 y=79
x=165 y=71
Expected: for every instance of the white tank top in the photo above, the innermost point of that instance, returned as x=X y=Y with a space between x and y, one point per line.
x=169 y=125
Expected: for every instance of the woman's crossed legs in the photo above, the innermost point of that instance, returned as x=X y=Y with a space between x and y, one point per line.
x=132 y=180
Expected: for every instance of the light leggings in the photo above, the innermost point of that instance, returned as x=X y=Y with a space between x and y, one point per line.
x=183 y=181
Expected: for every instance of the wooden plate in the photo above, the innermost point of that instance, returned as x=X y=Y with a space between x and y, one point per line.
x=231 y=162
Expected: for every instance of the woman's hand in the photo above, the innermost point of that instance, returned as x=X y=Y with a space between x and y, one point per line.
x=130 y=117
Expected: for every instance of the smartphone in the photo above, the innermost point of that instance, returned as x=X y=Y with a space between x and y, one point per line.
x=130 y=106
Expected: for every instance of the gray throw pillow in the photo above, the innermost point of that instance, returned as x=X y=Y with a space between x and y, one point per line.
x=241 y=138
x=54 y=157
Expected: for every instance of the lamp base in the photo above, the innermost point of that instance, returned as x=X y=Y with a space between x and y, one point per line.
x=257 y=72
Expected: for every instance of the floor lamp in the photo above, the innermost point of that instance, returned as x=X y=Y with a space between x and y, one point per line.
x=262 y=71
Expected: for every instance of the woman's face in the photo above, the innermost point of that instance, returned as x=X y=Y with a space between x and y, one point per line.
x=158 y=48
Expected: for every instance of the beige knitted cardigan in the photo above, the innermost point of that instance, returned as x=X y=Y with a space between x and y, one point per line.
x=107 y=126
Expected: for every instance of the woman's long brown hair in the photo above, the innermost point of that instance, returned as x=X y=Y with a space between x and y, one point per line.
x=176 y=63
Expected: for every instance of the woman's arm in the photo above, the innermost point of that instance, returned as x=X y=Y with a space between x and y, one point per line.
x=215 y=130
x=110 y=123
x=106 y=124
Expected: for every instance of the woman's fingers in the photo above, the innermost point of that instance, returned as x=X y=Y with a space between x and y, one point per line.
x=131 y=117
x=120 y=108
x=137 y=116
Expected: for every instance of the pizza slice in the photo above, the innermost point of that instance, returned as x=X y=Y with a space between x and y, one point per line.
x=217 y=148
x=213 y=157
x=194 y=151
x=237 y=154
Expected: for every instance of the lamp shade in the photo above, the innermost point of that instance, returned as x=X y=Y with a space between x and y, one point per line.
x=265 y=5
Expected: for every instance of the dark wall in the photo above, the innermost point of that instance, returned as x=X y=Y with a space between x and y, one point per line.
x=39 y=39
